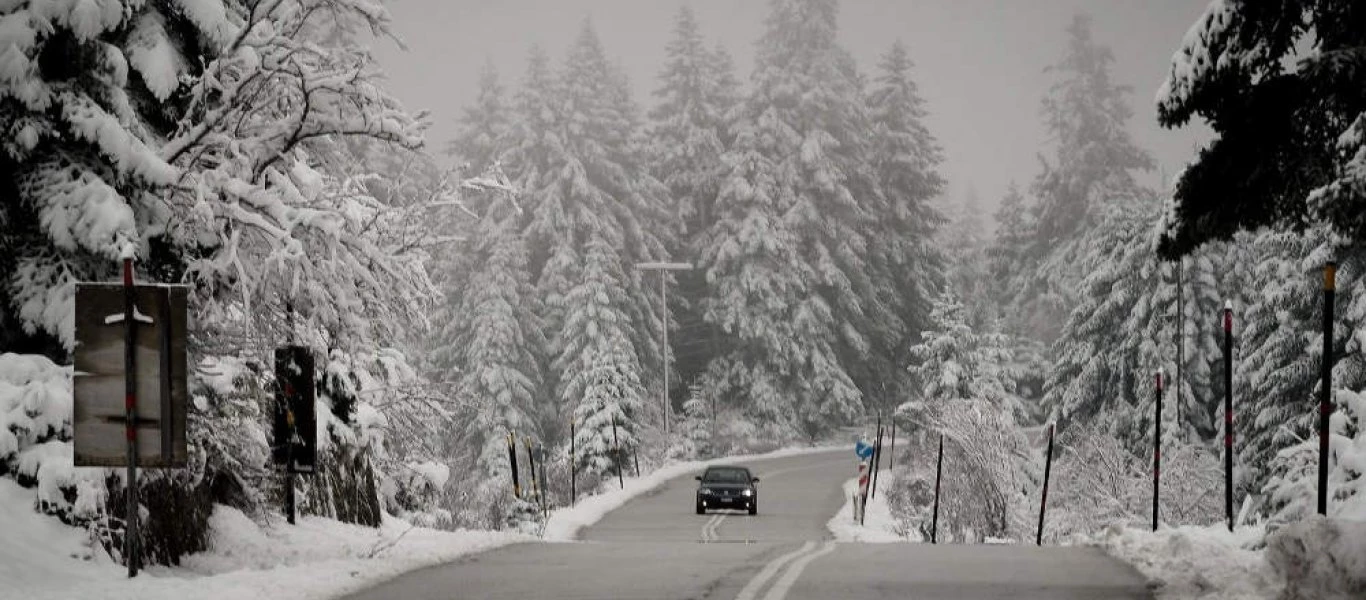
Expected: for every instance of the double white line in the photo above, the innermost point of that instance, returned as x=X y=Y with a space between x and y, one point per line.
x=709 y=530
x=795 y=562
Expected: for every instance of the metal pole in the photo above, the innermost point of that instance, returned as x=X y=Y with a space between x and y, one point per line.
x=635 y=458
x=1043 y=502
x=1157 y=448
x=621 y=479
x=130 y=406
x=1326 y=386
x=1228 y=412
x=938 y=472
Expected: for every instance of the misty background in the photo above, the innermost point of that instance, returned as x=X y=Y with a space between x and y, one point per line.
x=979 y=64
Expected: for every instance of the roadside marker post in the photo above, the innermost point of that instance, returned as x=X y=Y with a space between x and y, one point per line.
x=1043 y=501
x=1228 y=412
x=877 y=458
x=573 y=466
x=938 y=472
x=512 y=458
x=1326 y=385
x=1157 y=449
x=621 y=479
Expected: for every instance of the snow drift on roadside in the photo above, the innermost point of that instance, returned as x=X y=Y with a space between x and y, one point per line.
x=564 y=524
x=41 y=558
x=878 y=526
x=1320 y=558
x=1195 y=562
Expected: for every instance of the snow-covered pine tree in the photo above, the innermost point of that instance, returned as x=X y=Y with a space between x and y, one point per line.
x=963 y=240
x=483 y=125
x=697 y=427
x=1085 y=113
x=908 y=267
x=1009 y=249
x=601 y=379
x=575 y=154
x=688 y=136
x=786 y=256
x=499 y=339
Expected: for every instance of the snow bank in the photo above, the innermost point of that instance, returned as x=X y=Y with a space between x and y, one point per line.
x=879 y=527
x=1320 y=558
x=318 y=558
x=1196 y=562
x=565 y=523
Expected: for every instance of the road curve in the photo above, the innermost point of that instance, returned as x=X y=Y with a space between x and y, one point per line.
x=655 y=547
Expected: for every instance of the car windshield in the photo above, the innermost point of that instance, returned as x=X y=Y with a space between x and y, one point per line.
x=726 y=476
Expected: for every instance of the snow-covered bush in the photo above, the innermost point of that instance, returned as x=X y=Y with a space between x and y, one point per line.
x=1294 y=486
x=1098 y=483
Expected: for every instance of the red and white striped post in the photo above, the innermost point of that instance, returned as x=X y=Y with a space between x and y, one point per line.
x=860 y=497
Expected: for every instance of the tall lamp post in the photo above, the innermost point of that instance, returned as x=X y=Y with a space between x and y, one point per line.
x=663 y=267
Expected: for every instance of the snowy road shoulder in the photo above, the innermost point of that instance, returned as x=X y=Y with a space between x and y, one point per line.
x=879 y=527
x=1195 y=562
x=41 y=558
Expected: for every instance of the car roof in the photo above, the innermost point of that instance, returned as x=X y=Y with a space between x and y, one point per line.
x=727 y=468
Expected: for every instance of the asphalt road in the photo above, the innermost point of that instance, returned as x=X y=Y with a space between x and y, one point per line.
x=656 y=547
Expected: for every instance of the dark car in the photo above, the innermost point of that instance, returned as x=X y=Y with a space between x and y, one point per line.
x=727 y=487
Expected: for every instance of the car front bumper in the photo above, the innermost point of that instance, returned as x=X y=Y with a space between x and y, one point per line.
x=721 y=501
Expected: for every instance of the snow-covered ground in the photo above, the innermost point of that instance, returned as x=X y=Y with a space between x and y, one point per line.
x=564 y=524
x=1195 y=562
x=878 y=525
x=40 y=558
x=1317 y=558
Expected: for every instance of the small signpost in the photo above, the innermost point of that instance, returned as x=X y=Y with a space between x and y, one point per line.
x=129 y=336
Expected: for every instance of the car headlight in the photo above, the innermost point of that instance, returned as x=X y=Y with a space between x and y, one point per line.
x=705 y=491
x=747 y=493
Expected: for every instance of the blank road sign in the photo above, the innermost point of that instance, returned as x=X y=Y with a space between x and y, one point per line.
x=100 y=419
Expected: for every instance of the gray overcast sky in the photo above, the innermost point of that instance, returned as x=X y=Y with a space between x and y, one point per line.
x=979 y=63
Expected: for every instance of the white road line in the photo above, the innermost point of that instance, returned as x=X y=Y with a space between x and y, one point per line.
x=707 y=529
x=784 y=585
x=715 y=527
x=752 y=588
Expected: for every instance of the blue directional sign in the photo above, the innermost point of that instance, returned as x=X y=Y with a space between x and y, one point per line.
x=863 y=449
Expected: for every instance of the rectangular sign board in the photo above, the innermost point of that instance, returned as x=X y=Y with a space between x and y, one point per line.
x=100 y=418
x=295 y=442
